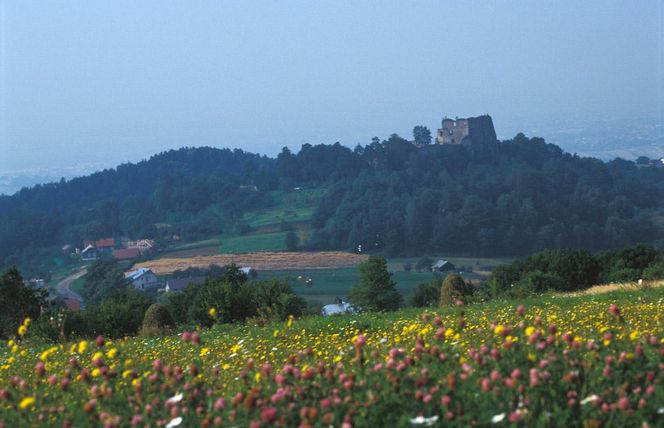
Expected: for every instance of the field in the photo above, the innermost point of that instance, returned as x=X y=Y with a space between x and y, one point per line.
x=584 y=361
x=262 y=261
x=329 y=284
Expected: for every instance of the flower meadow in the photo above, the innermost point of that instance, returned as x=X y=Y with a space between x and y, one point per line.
x=555 y=361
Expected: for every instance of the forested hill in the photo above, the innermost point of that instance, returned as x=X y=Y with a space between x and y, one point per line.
x=518 y=196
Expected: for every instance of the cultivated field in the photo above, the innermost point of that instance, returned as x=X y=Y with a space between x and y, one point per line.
x=260 y=261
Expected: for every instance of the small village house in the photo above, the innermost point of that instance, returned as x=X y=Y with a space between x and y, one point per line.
x=442 y=266
x=89 y=253
x=126 y=254
x=143 y=279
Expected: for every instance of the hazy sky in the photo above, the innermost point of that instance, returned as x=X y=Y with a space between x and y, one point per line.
x=120 y=80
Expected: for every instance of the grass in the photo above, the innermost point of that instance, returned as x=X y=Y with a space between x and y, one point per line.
x=290 y=207
x=275 y=241
x=408 y=363
x=328 y=284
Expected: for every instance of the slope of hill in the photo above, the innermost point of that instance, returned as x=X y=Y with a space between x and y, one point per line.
x=517 y=197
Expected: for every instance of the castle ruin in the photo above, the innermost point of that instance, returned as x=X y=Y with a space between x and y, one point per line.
x=473 y=130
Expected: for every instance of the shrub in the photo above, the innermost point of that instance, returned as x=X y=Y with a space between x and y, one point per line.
x=157 y=321
x=454 y=288
x=427 y=294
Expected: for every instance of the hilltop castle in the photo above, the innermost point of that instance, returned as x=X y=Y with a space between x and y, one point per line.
x=473 y=130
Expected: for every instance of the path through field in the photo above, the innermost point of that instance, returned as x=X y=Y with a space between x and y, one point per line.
x=63 y=290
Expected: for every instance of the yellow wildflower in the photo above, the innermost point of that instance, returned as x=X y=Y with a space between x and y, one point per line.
x=82 y=346
x=26 y=402
x=212 y=312
x=205 y=351
x=22 y=330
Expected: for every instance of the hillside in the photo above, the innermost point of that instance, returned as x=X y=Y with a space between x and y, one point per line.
x=390 y=197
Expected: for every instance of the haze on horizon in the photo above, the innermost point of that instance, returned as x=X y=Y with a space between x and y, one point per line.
x=84 y=82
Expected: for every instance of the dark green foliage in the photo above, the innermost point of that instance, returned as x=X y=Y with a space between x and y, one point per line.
x=427 y=294
x=421 y=135
x=376 y=290
x=17 y=302
x=522 y=197
x=157 y=320
x=117 y=316
x=454 y=288
x=571 y=270
x=235 y=299
x=103 y=280
x=292 y=241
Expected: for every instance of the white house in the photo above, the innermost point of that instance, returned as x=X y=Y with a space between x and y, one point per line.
x=340 y=307
x=143 y=278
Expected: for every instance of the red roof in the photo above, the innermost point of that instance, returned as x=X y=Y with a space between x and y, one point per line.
x=106 y=242
x=126 y=254
x=73 y=304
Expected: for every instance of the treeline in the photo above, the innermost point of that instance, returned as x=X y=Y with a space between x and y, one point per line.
x=521 y=197
x=572 y=270
x=193 y=192
x=391 y=197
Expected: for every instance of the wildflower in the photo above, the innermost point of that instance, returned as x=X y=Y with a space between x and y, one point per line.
x=174 y=422
x=26 y=402
x=82 y=346
x=498 y=418
x=589 y=399
x=175 y=399
x=290 y=321
x=22 y=330
x=205 y=351
x=212 y=312
x=421 y=420
x=269 y=414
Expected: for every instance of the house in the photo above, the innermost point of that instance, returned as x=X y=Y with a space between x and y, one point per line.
x=179 y=284
x=126 y=254
x=442 y=266
x=143 y=245
x=89 y=253
x=249 y=271
x=340 y=307
x=143 y=278
x=105 y=246
x=68 y=249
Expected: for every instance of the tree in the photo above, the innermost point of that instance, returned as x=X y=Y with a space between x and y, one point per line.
x=427 y=294
x=376 y=290
x=17 y=301
x=103 y=280
x=292 y=241
x=421 y=135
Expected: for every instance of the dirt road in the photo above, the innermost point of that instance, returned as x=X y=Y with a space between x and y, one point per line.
x=62 y=288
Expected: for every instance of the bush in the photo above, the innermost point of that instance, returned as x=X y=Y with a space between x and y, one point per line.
x=654 y=271
x=427 y=294
x=157 y=321
x=454 y=288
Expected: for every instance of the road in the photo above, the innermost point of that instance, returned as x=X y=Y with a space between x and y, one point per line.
x=62 y=288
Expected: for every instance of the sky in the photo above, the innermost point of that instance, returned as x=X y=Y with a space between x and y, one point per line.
x=108 y=82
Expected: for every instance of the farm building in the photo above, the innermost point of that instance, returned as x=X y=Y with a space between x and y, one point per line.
x=89 y=253
x=126 y=254
x=442 y=266
x=143 y=278
x=179 y=284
